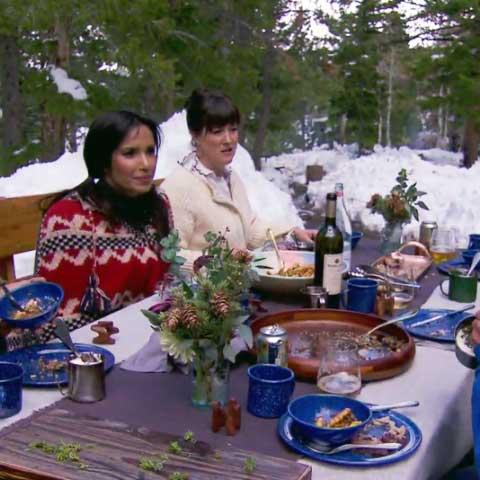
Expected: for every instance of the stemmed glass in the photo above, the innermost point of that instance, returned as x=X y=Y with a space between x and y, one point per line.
x=339 y=369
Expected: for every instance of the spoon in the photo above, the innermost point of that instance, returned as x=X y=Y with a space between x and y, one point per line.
x=392 y=406
x=368 y=269
x=317 y=447
x=275 y=246
x=475 y=260
x=9 y=295
x=399 y=318
x=62 y=332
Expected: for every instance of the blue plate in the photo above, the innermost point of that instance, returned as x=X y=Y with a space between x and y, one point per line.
x=442 y=330
x=357 y=458
x=29 y=358
x=458 y=262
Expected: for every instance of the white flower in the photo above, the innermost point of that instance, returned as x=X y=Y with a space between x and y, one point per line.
x=177 y=348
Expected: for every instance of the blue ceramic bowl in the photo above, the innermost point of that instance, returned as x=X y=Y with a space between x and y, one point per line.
x=49 y=296
x=356 y=237
x=305 y=410
x=11 y=376
x=468 y=257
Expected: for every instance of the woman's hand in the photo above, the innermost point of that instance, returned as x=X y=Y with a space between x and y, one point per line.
x=304 y=235
x=476 y=329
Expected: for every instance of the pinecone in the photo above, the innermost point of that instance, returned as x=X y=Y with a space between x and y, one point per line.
x=189 y=316
x=220 y=304
x=173 y=319
x=242 y=256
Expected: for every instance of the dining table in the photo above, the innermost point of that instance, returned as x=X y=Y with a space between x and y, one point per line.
x=161 y=401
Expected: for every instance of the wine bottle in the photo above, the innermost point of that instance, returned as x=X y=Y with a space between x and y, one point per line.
x=328 y=255
x=344 y=224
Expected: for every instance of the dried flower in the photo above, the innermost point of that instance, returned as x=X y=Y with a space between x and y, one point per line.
x=401 y=203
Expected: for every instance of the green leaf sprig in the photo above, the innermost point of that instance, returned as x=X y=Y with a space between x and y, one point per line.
x=63 y=452
x=401 y=203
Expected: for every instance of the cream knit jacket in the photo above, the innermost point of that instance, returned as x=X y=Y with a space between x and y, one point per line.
x=197 y=210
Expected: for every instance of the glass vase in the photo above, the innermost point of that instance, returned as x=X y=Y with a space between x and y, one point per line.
x=210 y=382
x=391 y=237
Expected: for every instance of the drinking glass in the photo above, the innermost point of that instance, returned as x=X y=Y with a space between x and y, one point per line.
x=339 y=369
x=443 y=246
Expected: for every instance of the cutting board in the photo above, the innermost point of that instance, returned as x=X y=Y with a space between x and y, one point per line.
x=113 y=450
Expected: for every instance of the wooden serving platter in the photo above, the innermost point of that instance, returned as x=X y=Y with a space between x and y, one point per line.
x=317 y=323
x=113 y=451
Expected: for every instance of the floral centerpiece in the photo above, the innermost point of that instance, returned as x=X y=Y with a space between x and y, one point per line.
x=397 y=208
x=204 y=324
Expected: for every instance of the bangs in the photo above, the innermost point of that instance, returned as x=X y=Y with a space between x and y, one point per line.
x=220 y=111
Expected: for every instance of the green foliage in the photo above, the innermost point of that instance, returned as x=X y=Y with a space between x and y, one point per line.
x=402 y=202
x=206 y=314
x=249 y=465
x=63 y=452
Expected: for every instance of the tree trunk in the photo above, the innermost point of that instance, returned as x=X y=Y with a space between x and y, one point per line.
x=266 y=105
x=342 y=134
x=380 y=128
x=54 y=126
x=388 y=115
x=11 y=97
x=471 y=140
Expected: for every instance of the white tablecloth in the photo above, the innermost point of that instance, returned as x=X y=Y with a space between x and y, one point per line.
x=436 y=379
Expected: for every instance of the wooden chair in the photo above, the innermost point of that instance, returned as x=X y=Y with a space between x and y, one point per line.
x=20 y=219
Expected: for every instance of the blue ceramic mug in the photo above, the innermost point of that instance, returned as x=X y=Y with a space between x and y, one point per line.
x=269 y=390
x=360 y=295
x=11 y=377
x=474 y=241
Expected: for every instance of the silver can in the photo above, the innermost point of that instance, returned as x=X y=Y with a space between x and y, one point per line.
x=272 y=345
x=426 y=231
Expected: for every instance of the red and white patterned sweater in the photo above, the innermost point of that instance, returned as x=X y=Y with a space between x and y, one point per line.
x=76 y=240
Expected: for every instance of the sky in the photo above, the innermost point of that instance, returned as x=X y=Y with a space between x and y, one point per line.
x=452 y=192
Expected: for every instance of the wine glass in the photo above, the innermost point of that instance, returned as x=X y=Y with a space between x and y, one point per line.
x=443 y=246
x=339 y=369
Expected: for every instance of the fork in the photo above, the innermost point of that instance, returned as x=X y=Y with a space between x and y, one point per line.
x=325 y=450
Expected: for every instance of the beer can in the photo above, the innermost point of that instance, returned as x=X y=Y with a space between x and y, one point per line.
x=272 y=345
x=426 y=231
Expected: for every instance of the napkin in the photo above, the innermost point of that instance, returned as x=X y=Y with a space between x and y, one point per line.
x=152 y=358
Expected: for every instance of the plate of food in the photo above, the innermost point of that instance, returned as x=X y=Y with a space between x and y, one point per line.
x=46 y=365
x=441 y=330
x=296 y=273
x=384 y=354
x=384 y=427
x=464 y=347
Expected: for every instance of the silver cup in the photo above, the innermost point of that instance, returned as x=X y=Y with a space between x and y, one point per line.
x=317 y=296
x=86 y=378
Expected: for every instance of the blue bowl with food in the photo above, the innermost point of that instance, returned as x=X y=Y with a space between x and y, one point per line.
x=40 y=301
x=330 y=419
x=356 y=237
x=468 y=257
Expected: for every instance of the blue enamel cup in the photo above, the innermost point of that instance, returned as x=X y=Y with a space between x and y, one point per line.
x=11 y=376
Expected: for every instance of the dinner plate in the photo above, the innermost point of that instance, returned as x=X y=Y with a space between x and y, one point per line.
x=357 y=458
x=29 y=358
x=446 y=267
x=442 y=330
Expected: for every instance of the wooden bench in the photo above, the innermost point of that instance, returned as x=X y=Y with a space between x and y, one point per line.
x=20 y=219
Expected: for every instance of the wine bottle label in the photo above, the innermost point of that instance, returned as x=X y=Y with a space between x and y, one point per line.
x=332 y=273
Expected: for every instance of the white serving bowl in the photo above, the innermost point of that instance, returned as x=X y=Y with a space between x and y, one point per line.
x=269 y=282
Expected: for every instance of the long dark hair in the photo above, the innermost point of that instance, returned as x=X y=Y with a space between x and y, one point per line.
x=208 y=109
x=106 y=133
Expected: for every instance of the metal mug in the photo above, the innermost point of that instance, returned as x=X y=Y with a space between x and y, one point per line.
x=86 y=379
x=317 y=295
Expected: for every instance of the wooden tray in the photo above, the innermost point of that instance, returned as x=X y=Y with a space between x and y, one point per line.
x=113 y=450
x=405 y=265
x=314 y=321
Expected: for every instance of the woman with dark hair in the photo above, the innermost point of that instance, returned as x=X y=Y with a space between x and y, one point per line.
x=205 y=194
x=101 y=240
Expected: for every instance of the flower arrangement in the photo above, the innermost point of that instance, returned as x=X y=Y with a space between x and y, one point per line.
x=205 y=314
x=401 y=203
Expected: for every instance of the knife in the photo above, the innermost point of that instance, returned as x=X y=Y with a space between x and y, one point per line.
x=441 y=315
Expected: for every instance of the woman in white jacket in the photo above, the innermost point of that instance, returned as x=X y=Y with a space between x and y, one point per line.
x=205 y=194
